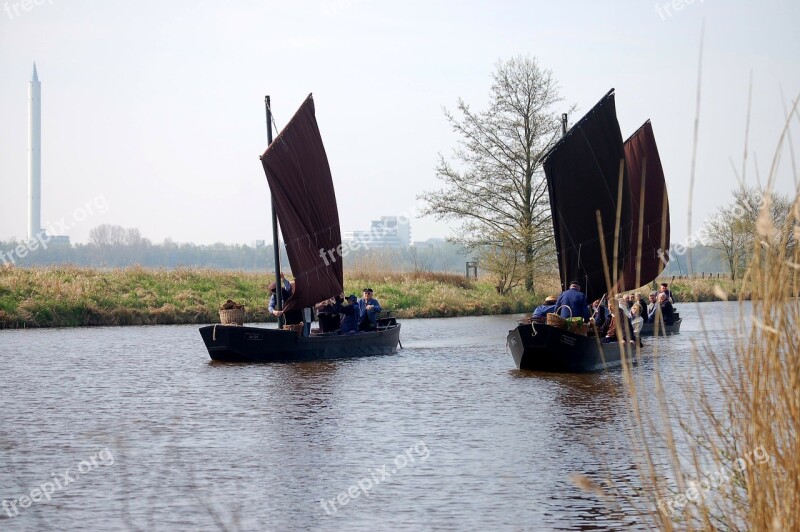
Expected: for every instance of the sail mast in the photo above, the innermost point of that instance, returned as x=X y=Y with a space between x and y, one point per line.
x=275 y=248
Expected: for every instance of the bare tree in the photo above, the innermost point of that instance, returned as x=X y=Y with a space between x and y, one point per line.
x=133 y=237
x=726 y=233
x=495 y=187
x=733 y=228
x=106 y=235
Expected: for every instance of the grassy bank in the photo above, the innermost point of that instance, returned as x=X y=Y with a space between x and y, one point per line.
x=71 y=296
x=703 y=289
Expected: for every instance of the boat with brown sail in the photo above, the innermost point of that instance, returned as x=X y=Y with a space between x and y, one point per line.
x=606 y=233
x=304 y=204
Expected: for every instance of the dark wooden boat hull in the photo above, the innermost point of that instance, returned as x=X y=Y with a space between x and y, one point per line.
x=540 y=347
x=258 y=344
x=648 y=329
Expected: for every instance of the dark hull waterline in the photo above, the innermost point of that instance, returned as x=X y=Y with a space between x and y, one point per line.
x=649 y=329
x=259 y=344
x=540 y=347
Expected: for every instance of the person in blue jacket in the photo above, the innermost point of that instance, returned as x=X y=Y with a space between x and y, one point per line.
x=350 y=313
x=575 y=300
x=540 y=313
x=369 y=308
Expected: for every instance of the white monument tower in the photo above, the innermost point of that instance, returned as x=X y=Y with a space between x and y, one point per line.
x=34 y=156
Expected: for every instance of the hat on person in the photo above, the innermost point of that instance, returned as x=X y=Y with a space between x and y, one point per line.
x=576 y=284
x=352 y=297
x=272 y=286
x=550 y=300
x=369 y=290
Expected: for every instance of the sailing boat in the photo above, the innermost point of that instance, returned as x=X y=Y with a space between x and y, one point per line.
x=595 y=223
x=304 y=202
x=650 y=214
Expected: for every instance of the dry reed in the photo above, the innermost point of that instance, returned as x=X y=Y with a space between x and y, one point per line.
x=726 y=454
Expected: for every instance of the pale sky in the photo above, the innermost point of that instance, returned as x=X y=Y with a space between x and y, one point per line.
x=155 y=109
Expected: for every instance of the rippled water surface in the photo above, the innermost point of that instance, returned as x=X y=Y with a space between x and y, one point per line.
x=135 y=427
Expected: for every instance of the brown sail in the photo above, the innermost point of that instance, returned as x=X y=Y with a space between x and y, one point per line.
x=300 y=180
x=583 y=178
x=649 y=210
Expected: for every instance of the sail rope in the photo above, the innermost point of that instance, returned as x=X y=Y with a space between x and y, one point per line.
x=272 y=115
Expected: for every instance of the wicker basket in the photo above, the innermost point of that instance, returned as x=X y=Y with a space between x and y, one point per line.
x=232 y=317
x=576 y=325
x=296 y=327
x=554 y=319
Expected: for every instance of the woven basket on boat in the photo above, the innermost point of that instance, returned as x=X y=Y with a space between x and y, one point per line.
x=554 y=319
x=296 y=327
x=576 y=325
x=232 y=317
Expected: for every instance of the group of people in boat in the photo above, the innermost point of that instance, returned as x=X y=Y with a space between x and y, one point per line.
x=342 y=315
x=605 y=315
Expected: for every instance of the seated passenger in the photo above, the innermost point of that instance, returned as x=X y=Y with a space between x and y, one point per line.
x=369 y=308
x=642 y=303
x=652 y=307
x=599 y=314
x=540 y=313
x=622 y=302
x=628 y=300
x=348 y=308
x=666 y=308
x=611 y=332
x=328 y=315
x=624 y=322
x=637 y=322
x=664 y=289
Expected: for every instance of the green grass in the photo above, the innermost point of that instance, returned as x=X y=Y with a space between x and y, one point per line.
x=67 y=296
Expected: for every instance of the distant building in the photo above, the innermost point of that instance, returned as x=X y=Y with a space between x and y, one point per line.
x=388 y=232
x=430 y=243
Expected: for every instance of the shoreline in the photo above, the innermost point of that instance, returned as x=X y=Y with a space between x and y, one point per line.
x=68 y=296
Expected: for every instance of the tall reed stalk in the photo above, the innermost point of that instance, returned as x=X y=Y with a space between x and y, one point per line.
x=725 y=454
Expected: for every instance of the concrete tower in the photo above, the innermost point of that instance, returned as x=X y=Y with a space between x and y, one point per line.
x=34 y=155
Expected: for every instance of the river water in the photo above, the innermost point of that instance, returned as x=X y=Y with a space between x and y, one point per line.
x=136 y=428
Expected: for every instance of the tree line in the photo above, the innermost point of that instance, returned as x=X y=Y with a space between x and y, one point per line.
x=114 y=246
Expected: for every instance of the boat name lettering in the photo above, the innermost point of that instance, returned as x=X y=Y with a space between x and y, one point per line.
x=568 y=340
x=253 y=336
